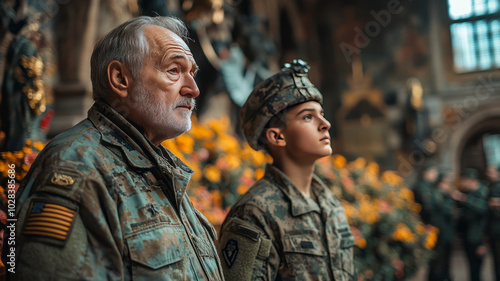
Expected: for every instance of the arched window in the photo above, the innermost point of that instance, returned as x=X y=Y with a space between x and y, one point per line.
x=475 y=34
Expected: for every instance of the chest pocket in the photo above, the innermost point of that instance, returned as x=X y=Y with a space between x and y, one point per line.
x=159 y=252
x=346 y=254
x=305 y=256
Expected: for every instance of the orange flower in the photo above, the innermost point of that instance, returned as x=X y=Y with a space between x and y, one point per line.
x=210 y=145
x=201 y=132
x=407 y=194
x=403 y=233
x=259 y=173
x=339 y=161
x=185 y=143
x=216 y=197
x=431 y=240
x=372 y=168
x=212 y=173
x=392 y=178
x=220 y=126
x=258 y=159
x=247 y=152
x=242 y=189
x=38 y=145
x=420 y=228
x=233 y=161
x=228 y=144
x=359 y=163
x=417 y=208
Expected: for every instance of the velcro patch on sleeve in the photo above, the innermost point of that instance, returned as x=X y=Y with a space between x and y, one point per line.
x=248 y=232
x=62 y=181
x=241 y=247
x=50 y=220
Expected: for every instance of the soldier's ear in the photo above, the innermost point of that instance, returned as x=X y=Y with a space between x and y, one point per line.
x=275 y=137
x=119 y=78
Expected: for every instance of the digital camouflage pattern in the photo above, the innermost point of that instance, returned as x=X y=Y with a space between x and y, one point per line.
x=289 y=87
x=103 y=203
x=273 y=232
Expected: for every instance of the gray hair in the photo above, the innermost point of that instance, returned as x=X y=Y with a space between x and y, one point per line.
x=127 y=44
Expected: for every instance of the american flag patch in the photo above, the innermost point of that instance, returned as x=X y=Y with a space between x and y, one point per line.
x=50 y=220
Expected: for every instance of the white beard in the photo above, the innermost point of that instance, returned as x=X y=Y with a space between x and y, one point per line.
x=159 y=117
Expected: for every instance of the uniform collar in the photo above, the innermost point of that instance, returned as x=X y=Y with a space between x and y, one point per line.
x=138 y=150
x=299 y=204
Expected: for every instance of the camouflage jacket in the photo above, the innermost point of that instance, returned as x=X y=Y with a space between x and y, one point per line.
x=103 y=203
x=273 y=232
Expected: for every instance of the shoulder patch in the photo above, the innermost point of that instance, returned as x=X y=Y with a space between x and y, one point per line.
x=50 y=221
x=64 y=182
x=230 y=252
x=61 y=179
x=243 y=250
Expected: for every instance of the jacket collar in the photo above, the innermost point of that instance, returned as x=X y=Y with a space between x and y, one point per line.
x=139 y=152
x=299 y=204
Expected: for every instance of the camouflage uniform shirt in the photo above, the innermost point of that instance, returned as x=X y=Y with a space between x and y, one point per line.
x=103 y=203
x=273 y=232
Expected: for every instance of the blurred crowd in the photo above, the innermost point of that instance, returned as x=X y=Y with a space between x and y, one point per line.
x=465 y=210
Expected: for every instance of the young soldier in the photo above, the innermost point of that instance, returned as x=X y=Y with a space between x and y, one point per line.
x=288 y=226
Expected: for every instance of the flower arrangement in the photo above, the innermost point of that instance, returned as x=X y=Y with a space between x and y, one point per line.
x=391 y=241
x=224 y=167
x=16 y=163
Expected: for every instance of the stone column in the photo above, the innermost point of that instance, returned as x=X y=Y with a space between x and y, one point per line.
x=75 y=28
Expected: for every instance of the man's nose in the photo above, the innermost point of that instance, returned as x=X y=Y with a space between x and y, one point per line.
x=190 y=88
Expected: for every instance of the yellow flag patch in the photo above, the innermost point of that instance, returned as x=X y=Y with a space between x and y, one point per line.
x=49 y=220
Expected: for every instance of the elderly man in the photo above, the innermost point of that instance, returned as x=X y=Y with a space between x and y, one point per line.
x=104 y=200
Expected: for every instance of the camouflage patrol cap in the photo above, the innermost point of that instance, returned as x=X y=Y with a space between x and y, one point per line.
x=287 y=88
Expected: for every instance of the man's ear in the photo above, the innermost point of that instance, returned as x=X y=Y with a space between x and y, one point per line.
x=275 y=137
x=119 y=78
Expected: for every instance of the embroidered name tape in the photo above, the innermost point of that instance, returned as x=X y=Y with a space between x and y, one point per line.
x=250 y=233
x=307 y=244
x=49 y=220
